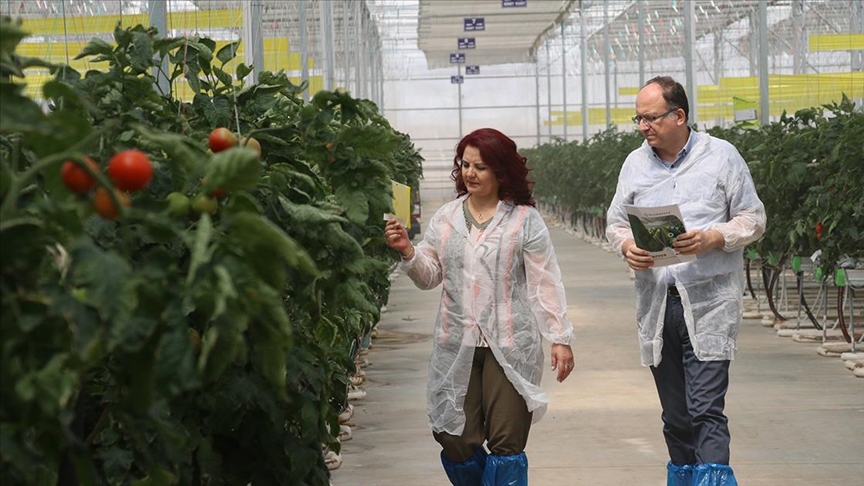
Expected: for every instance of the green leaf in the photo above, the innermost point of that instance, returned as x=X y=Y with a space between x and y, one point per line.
x=51 y=387
x=242 y=71
x=257 y=233
x=157 y=477
x=19 y=113
x=200 y=247
x=228 y=52
x=307 y=215
x=235 y=169
x=141 y=52
x=355 y=202
x=96 y=46
x=223 y=77
x=106 y=276
x=176 y=369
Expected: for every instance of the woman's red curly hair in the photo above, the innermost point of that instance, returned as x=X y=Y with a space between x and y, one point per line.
x=498 y=152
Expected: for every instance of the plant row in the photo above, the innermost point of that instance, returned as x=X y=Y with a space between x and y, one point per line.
x=184 y=284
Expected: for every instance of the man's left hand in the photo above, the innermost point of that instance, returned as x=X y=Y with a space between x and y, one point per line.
x=697 y=241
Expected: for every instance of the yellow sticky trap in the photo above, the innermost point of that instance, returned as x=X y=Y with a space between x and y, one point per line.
x=402 y=203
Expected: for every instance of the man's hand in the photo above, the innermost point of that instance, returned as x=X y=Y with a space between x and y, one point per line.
x=697 y=241
x=636 y=257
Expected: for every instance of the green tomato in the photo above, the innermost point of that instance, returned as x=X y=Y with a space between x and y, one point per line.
x=205 y=204
x=178 y=204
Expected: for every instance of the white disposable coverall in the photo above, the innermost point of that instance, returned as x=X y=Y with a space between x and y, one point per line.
x=505 y=285
x=714 y=189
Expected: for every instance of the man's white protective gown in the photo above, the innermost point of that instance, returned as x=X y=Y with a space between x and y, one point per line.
x=712 y=178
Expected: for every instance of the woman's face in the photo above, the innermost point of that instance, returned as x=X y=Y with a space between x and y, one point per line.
x=479 y=178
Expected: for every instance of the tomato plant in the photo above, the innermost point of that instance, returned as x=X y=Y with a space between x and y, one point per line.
x=100 y=366
x=221 y=139
x=76 y=179
x=130 y=170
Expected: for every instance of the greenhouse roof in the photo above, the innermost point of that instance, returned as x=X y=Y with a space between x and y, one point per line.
x=510 y=29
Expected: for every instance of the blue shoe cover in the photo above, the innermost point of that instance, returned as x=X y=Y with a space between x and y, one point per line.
x=679 y=475
x=506 y=470
x=713 y=475
x=468 y=473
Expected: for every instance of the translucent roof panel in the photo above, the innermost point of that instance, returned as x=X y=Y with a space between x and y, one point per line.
x=663 y=26
x=509 y=36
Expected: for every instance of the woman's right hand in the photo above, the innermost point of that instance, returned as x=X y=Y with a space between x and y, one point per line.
x=397 y=238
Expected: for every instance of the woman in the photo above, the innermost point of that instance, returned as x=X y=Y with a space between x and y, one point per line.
x=502 y=291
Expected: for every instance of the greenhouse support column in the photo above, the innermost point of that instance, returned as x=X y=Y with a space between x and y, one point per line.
x=304 y=49
x=764 y=114
x=537 y=95
x=606 y=62
x=689 y=65
x=564 y=77
x=640 y=6
x=327 y=28
x=718 y=67
x=372 y=74
x=159 y=20
x=549 y=87
x=798 y=37
x=753 y=21
x=459 y=99
x=346 y=59
x=357 y=50
x=362 y=92
x=858 y=28
x=583 y=55
x=252 y=37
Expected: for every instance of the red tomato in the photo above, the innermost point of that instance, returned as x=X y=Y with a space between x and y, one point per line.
x=222 y=139
x=77 y=179
x=819 y=229
x=130 y=170
x=105 y=206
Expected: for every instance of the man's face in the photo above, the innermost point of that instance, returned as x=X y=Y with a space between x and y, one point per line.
x=649 y=105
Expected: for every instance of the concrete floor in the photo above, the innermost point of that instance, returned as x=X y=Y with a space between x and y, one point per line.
x=797 y=418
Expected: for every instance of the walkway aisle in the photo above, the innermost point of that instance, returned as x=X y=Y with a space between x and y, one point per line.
x=797 y=418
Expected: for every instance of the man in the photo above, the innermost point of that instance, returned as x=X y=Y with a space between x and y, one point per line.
x=688 y=314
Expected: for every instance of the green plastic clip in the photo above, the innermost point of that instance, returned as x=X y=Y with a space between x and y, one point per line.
x=840 y=278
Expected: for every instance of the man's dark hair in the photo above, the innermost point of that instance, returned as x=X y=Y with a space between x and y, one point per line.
x=673 y=93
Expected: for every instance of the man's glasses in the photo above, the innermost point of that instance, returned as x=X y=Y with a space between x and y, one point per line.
x=649 y=119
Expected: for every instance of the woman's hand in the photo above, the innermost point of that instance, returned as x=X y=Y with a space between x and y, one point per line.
x=562 y=360
x=397 y=238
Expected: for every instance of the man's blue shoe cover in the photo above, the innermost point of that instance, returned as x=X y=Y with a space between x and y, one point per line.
x=506 y=470
x=713 y=475
x=468 y=473
x=679 y=475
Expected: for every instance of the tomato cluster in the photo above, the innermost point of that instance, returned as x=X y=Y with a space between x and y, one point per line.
x=128 y=170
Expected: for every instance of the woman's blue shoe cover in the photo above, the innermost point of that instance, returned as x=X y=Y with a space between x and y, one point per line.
x=468 y=473
x=506 y=470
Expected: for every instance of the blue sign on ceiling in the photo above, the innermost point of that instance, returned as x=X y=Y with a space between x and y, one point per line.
x=514 y=3
x=457 y=57
x=472 y=69
x=456 y=79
